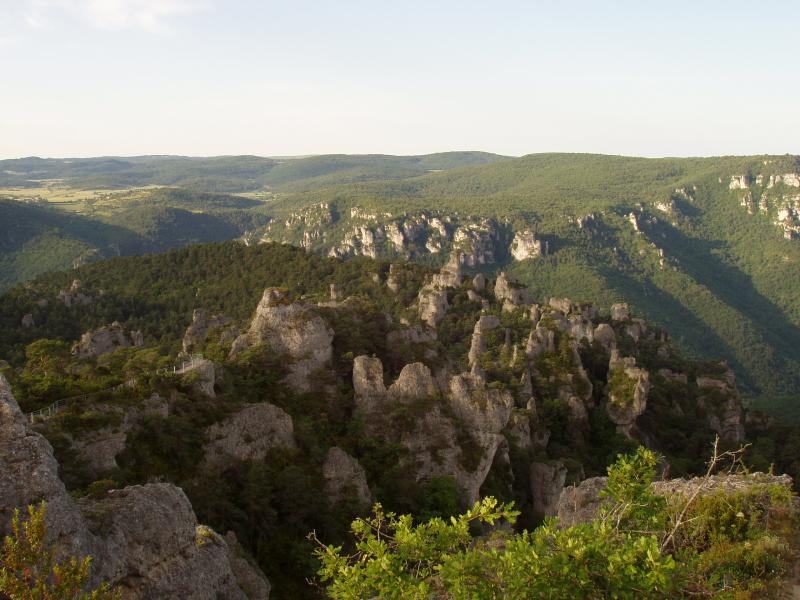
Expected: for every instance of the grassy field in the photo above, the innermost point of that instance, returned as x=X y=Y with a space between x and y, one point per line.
x=94 y=202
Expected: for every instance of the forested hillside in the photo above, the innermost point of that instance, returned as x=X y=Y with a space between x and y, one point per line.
x=285 y=392
x=707 y=247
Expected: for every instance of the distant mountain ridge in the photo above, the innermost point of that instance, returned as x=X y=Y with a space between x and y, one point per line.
x=706 y=247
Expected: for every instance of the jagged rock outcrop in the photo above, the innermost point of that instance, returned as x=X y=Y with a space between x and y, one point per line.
x=143 y=539
x=434 y=439
x=201 y=324
x=248 y=434
x=433 y=305
x=201 y=374
x=505 y=291
x=292 y=330
x=525 y=245
x=547 y=483
x=345 y=478
x=581 y=503
x=628 y=388
x=720 y=401
x=152 y=546
x=541 y=339
x=29 y=474
x=484 y=324
x=414 y=382
x=104 y=340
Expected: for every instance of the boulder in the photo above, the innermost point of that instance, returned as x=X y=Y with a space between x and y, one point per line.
x=525 y=245
x=28 y=321
x=153 y=547
x=433 y=305
x=368 y=386
x=479 y=282
x=504 y=290
x=248 y=435
x=604 y=334
x=345 y=478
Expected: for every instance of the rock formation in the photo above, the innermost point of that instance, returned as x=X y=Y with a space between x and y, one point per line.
x=104 y=340
x=525 y=245
x=293 y=331
x=628 y=387
x=547 y=483
x=505 y=291
x=485 y=324
x=198 y=330
x=143 y=539
x=248 y=435
x=345 y=478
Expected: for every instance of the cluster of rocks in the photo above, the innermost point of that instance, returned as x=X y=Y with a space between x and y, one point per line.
x=480 y=241
x=143 y=539
x=446 y=409
x=770 y=197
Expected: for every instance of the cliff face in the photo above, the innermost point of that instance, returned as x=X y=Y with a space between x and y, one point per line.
x=144 y=539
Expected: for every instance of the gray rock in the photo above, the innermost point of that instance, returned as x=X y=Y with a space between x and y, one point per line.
x=620 y=312
x=248 y=435
x=581 y=503
x=525 y=245
x=479 y=282
x=27 y=321
x=604 y=334
x=504 y=291
x=201 y=373
x=344 y=478
x=433 y=305
x=102 y=341
x=547 y=482
x=197 y=332
x=484 y=324
x=292 y=330
x=415 y=382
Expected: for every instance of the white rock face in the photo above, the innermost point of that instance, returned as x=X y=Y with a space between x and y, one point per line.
x=414 y=383
x=292 y=330
x=525 y=245
x=202 y=375
x=248 y=435
x=345 y=478
x=739 y=182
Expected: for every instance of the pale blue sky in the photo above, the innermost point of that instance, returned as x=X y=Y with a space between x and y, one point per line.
x=208 y=77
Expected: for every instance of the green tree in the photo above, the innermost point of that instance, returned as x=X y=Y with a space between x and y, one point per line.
x=29 y=570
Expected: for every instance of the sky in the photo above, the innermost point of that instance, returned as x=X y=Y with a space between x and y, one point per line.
x=296 y=77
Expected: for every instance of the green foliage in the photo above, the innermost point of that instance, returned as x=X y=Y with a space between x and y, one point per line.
x=29 y=570
x=734 y=546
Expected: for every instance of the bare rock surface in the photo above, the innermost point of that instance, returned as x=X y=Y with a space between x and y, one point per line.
x=143 y=539
x=104 y=340
x=292 y=330
x=248 y=434
x=344 y=477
